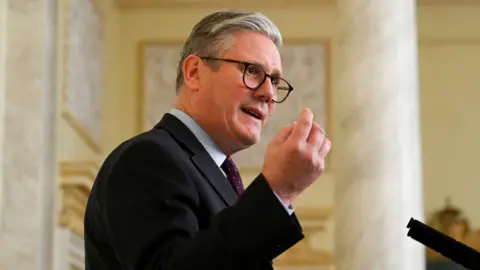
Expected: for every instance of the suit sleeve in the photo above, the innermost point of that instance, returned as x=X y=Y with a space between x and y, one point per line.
x=150 y=207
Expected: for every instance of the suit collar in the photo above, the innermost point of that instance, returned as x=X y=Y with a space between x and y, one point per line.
x=199 y=156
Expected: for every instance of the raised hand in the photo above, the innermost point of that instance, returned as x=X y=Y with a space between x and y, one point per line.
x=295 y=158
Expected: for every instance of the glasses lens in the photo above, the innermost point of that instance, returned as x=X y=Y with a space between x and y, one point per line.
x=282 y=89
x=254 y=76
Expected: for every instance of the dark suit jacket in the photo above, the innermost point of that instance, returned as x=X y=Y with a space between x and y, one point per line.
x=160 y=202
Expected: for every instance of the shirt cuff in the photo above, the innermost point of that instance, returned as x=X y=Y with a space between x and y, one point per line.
x=288 y=207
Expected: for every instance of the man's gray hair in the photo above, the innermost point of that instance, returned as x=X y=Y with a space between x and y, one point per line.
x=210 y=36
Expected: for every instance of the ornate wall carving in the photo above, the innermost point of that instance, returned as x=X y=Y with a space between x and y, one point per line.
x=76 y=182
x=82 y=89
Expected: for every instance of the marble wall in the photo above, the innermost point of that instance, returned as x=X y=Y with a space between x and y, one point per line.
x=23 y=77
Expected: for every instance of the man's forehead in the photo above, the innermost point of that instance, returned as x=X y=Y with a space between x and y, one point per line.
x=263 y=53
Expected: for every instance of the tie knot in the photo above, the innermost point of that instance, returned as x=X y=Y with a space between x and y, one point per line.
x=228 y=165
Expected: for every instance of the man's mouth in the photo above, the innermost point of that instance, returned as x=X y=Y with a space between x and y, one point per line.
x=257 y=114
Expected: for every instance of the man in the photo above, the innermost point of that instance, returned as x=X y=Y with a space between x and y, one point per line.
x=171 y=198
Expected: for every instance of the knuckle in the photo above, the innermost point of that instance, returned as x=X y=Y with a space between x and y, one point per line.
x=309 y=155
x=320 y=163
x=327 y=144
x=296 y=147
x=321 y=167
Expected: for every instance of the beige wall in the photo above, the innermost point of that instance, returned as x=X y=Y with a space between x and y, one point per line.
x=449 y=90
x=450 y=124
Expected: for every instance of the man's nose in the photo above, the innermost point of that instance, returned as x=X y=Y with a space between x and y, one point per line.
x=267 y=91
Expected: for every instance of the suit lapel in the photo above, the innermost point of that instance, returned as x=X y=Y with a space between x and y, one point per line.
x=213 y=174
x=200 y=157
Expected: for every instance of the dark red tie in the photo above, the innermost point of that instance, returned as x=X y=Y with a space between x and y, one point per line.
x=233 y=175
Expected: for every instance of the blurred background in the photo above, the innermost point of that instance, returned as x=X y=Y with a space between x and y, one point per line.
x=77 y=77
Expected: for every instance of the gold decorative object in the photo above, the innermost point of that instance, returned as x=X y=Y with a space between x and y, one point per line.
x=451 y=221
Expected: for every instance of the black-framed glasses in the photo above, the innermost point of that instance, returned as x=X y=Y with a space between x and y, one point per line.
x=254 y=76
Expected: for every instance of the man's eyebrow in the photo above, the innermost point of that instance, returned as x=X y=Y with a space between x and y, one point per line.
x=275 y=72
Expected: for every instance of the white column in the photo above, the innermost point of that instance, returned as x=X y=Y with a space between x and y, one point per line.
x=27 y=125
x=47 y=173
x=376 y=136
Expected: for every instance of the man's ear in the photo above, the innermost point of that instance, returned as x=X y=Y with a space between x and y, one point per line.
x=191 y=74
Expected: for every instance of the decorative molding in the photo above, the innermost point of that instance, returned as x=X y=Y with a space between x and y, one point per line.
x=313 y=221
x=82 y=80
x=76 y=182
x=218 y=4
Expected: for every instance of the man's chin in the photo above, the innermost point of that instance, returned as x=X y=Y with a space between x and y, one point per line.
x=248 y=136
x=250 y=139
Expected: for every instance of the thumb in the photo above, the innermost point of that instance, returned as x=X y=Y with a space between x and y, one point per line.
x=285 y=133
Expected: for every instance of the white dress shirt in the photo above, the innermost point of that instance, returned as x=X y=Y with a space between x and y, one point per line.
x=217 y=155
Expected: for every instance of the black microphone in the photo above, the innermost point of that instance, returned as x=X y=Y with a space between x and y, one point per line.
x=443 y=244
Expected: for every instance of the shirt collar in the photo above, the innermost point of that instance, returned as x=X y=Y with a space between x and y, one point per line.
x=210 y=146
